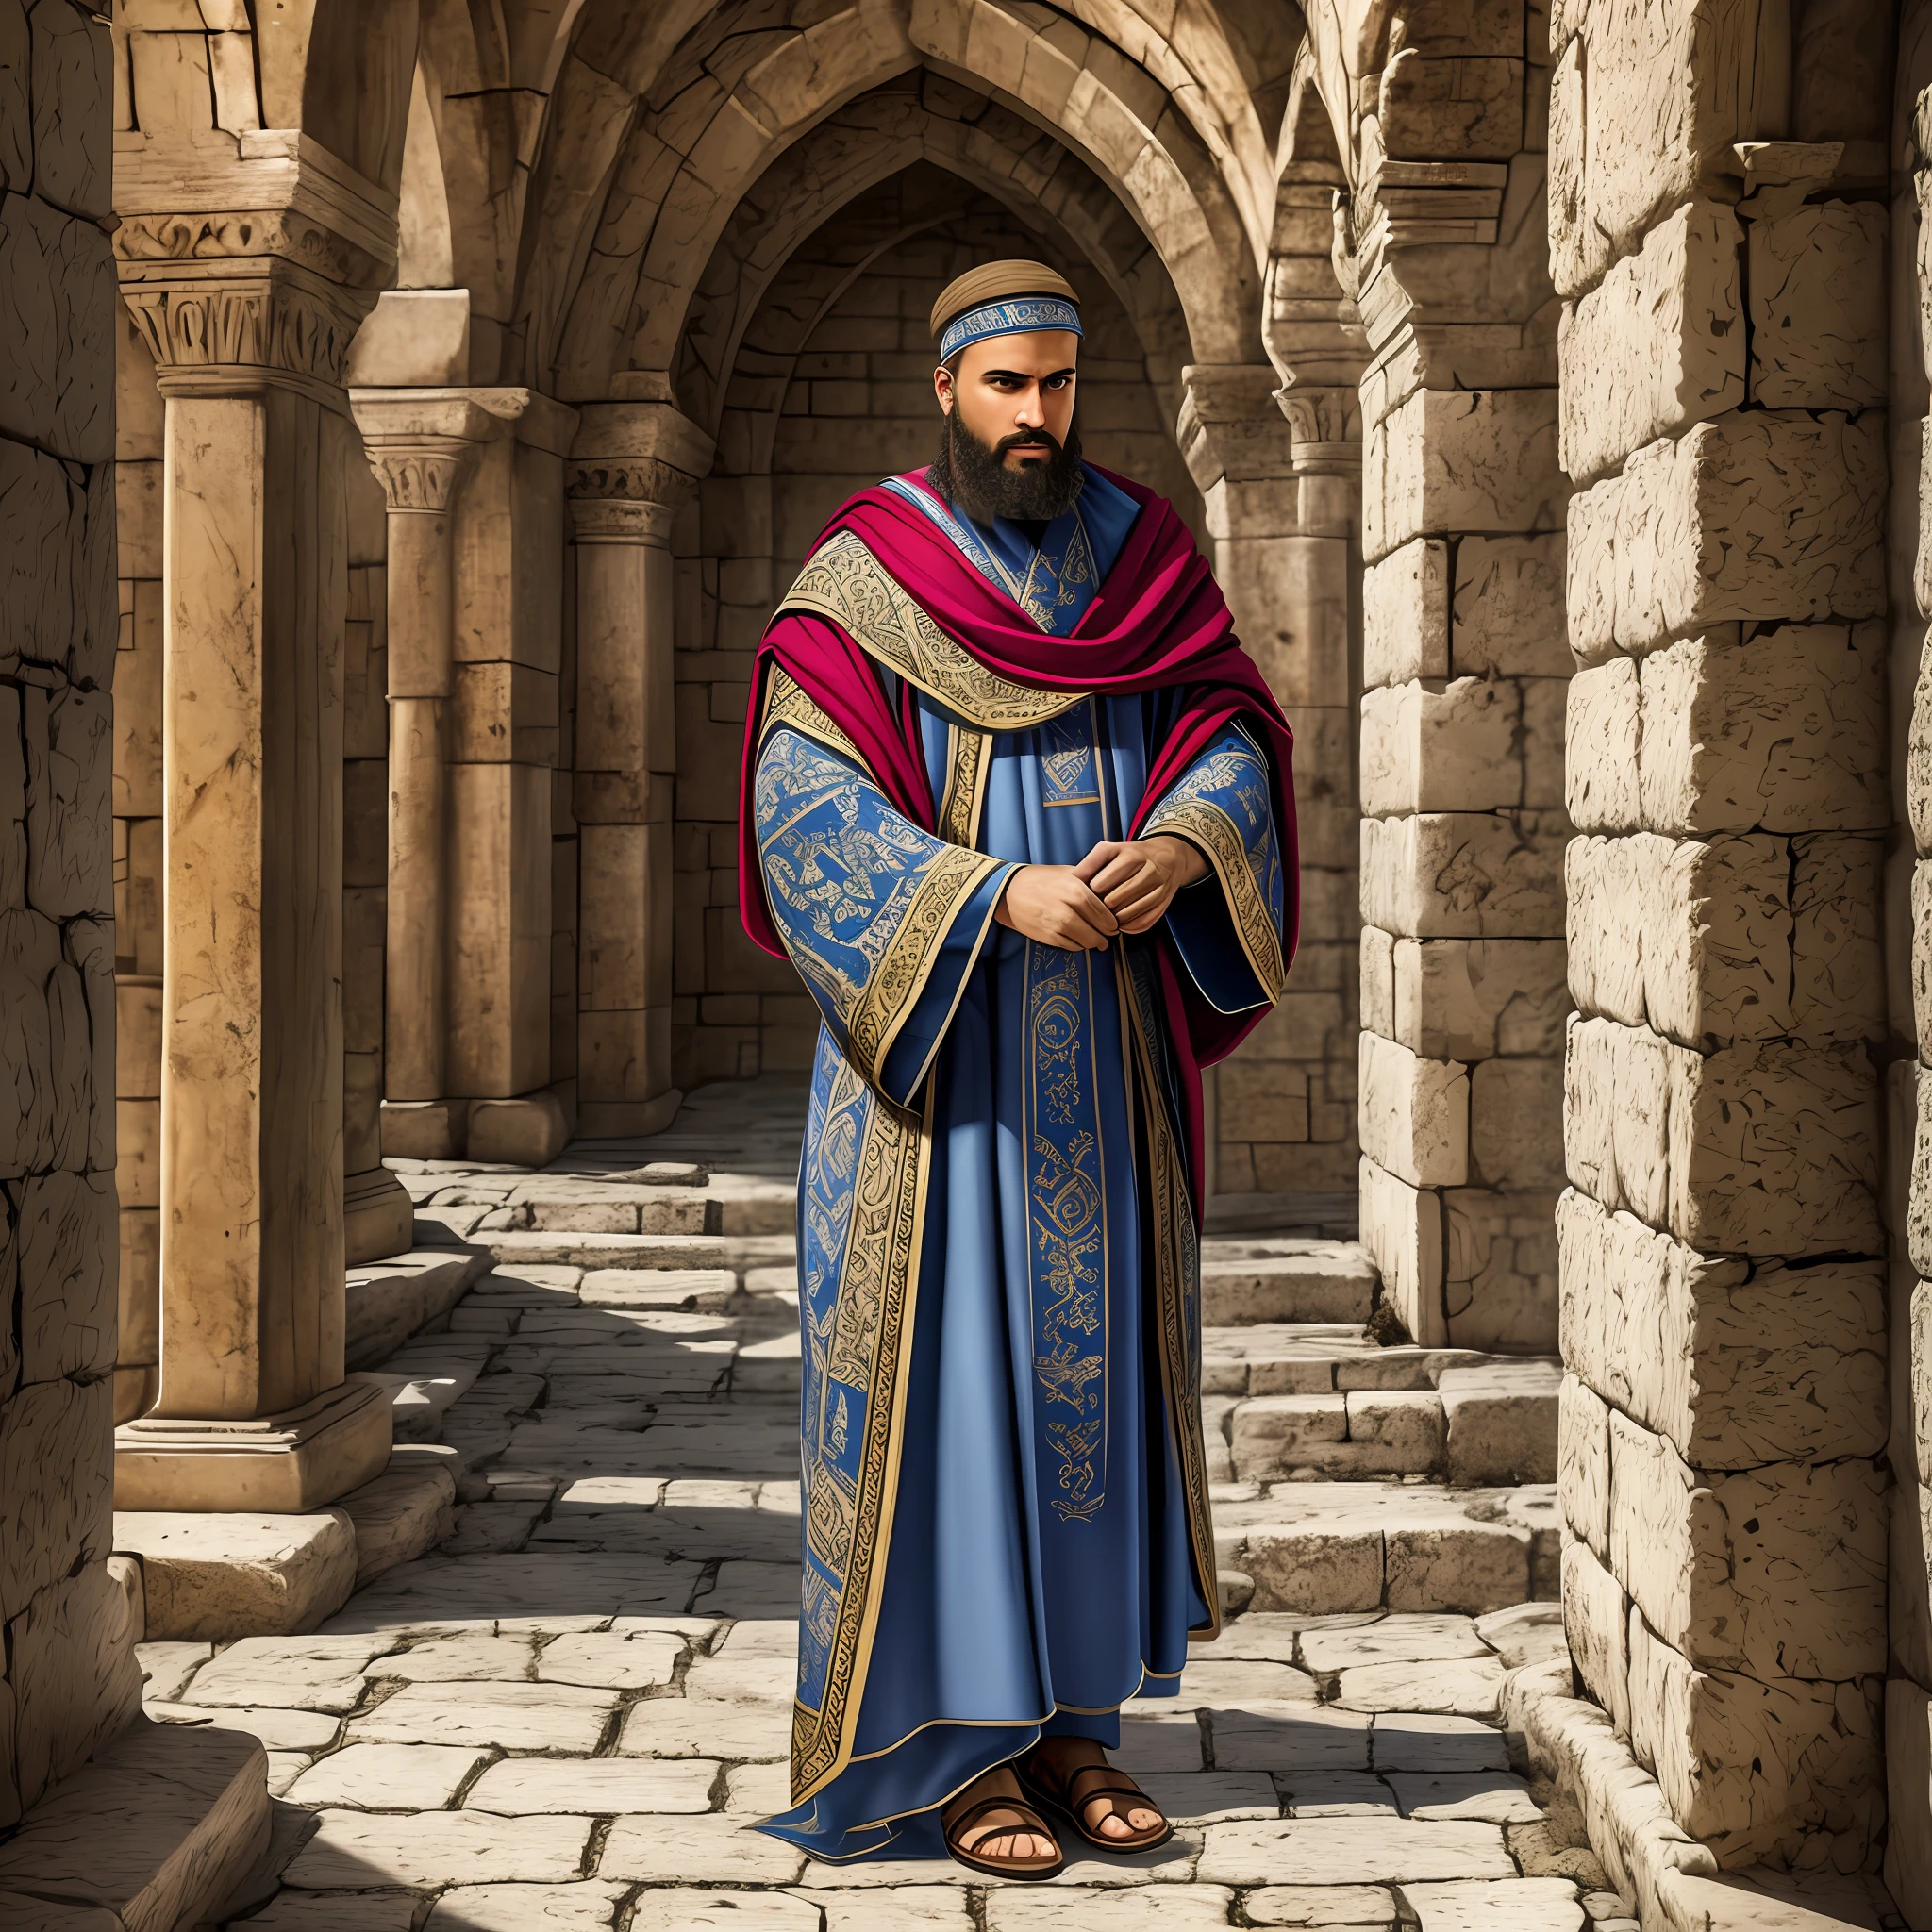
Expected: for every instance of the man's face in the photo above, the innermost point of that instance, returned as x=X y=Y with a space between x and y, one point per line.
x=1009 y=388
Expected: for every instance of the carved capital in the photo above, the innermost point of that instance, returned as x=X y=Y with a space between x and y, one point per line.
x=632 y=479
x=1229 y=425
x=420 y=477
x=621 y=519
x=209 y=333
x=1325 y=425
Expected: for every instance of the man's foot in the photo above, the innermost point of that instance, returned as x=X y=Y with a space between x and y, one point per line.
x=1106 y=1805
x=991 y=1827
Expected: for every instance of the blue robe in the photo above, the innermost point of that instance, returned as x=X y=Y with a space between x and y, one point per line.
x=992 y=1178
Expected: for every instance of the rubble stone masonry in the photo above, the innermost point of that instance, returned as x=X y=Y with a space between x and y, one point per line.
x=68 y=1677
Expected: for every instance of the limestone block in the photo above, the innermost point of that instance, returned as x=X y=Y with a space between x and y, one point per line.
x=1818 y=334
x=1402 y=1229
x=404 y=1512
x=1583 y=1462
x=1289 y=596
x=1617 y=1120
x=1602 y=774
x=1405 y=614
x=64 y=1243
x=1461 y=459
x=1647 y=96
x=1506 y=608
x=1604 y=884
x=1596 y=1622
x=1377 y=996
x=69 y=739
x=1469 y=108
x=1748 y=1767
x=1658 y=345
x=1909 y=1794
x=55 y=1474
x=220 y=1577
x=437 y=1848
x=1838 y=968
x=75 y=1679
x=1413 y=1113
x=1437 y=747
x=1784 y=733
x=1500 y=1271
x=1737 y=1363
x=1274 y=1434
x=1715 y=921
x=138 y=703
x=1464 y=875
x=1476 y=999
x=1757 y=517
x=1516 y=1123
x=1726 y=1567
x=1775 y=1151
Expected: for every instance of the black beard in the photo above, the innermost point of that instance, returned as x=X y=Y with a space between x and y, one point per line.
x=974 y=475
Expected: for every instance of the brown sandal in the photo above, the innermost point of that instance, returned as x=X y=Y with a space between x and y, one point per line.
x=966 y=1852
x=1067 y=1801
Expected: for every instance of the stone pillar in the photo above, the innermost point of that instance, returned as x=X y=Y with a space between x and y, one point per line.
x=1464 y=666
x=1723 y=377
x=633 y=465
x=474 y=482
x=253 y=1411
x=1284 y=558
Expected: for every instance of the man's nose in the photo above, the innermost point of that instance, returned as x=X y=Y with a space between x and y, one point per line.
x=1031 y=414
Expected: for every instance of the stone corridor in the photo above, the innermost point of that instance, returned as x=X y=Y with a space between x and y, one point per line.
x=569 y=1711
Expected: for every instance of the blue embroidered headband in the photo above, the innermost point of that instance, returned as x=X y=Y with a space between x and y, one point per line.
x=1014 y=316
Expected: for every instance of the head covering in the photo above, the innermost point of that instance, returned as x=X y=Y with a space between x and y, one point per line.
x=1003 y=298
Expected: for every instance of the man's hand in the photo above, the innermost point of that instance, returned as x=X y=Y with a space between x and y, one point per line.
x=1136 y=879
x=1054 y=905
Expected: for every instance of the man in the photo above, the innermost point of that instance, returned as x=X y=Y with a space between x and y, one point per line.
x=1018 y=809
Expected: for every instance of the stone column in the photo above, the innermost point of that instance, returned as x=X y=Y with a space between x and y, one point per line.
x=1284 y=559
x=632 y=466
x=417 y=446
x=1724 y=1425
x=253 y=1410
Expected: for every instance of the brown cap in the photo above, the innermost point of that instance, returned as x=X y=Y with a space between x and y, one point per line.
x=995 y=281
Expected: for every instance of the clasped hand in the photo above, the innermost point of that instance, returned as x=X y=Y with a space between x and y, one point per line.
x=1123 y=885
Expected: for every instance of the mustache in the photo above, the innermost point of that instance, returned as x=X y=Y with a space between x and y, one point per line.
x=1026 y=438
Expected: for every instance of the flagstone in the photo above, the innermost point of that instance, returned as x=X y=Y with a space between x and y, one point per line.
x=280 y=1730
x=598 y=1784
x=516 y=1717
x=684 y=1727
x=1494 y=1797
x=359 y=1849
x=1467 y=1687
x=612 y=1660
x=1518 y=1905
x=590 y=1905
x=443 y=1659
x=1406 y=1740
x=1138 y=1908
x=1322 y=1906
x=1345 y=1851
x=389 y=1777
x=681 y=1909
x=291 y=1910
x=721 y=1850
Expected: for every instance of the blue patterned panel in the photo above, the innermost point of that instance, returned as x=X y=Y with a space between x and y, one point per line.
x=1066 y=1214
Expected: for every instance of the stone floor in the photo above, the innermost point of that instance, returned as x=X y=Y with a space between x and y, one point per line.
x=569 y=1714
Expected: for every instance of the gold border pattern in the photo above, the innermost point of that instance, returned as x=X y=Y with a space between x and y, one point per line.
x=969 y=759
x=844 y=581
x=877 y=1296
x=787 y=701
x=1220 y=839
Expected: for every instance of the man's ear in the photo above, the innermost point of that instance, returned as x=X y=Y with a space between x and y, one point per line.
x=943 y=387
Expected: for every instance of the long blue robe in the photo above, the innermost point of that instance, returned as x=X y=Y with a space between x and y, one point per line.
x=1039 y=1566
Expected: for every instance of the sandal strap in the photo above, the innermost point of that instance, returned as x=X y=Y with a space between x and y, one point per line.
x=1071 y=1795
x=956 y=1828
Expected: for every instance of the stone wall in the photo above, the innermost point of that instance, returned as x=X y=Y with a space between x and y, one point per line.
x=69 y=1678
x=1723 y=1292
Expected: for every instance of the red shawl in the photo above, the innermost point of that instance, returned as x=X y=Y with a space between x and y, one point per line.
x=1159 y=620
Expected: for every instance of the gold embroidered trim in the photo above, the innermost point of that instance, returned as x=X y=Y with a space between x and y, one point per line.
x=878 y=1289
x=1169 y=1233
x=788 y=702
x=844 y=581
x=969 y=759
x=893 y=988
x=1210 y=828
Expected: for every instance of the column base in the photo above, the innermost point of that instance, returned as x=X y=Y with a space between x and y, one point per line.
x=158 y=1828
x=280 y=1464
x=628 y=1120
x=378 y=1217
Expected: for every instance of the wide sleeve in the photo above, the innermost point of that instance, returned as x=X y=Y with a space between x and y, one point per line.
x=883 y=921
x=1227 y=926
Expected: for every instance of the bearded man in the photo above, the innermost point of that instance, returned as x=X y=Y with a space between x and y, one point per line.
x=1017 y=807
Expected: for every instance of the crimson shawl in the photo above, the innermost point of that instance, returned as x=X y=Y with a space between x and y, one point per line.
x=1159 y=622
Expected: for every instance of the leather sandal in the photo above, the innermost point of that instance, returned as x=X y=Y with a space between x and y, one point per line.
x=1039 y=1782
x=965 y=1850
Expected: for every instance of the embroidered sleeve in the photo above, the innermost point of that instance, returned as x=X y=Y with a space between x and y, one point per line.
x=1227 y=926
x=883 y=921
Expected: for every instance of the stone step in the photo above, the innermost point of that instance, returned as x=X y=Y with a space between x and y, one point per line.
x=1321 y=1548
x=1251 y=1279
x=1326 y=1401
x=726 y=1204
x=513 y=1248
